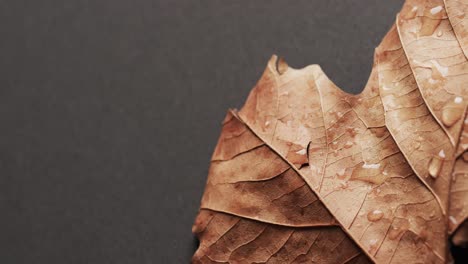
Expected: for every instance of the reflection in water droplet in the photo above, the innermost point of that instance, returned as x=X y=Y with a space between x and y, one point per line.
x=375 y=215
x=439 y=33
x=435 y=166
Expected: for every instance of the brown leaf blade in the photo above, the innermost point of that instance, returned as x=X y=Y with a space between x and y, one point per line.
x=304 y=165
x=258 y=184
x=256 y=208
x=456 y=11
x=230 y=239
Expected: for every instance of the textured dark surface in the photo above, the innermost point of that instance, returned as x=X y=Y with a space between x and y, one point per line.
x=110 y=110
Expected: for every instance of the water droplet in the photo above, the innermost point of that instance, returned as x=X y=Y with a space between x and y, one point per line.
x=411 y=14
x=442 y=70
x=439 y=33
x=435 y=166
x=348 y=144
x=334 y=145
x=436 y=10
x=371 y=173
x=377 y=190
x=375 y=215
x=371 y=166
x=442 y=154
x=453 y=220
x=394 y=232
x=386 y=88
x=379 y=132
x=373 y=244
x=301 y=152
x=423 y=234
x=267 y=123
x=341 y=174
x=452 y=112
x=343 y=185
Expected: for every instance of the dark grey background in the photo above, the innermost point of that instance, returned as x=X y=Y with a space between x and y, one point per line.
x=109 y=111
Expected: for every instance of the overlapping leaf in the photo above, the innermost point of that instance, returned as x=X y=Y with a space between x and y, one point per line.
x=305 y=172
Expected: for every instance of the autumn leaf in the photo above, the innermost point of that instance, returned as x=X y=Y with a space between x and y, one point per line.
x=306 y=173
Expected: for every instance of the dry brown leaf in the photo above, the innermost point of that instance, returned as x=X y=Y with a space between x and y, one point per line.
x=305 y=172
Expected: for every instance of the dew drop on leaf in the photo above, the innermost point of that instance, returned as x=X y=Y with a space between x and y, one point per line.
x=375 y=215
x=435 y=166
x=452 y=112
x=341 y=174
x=348 y=144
